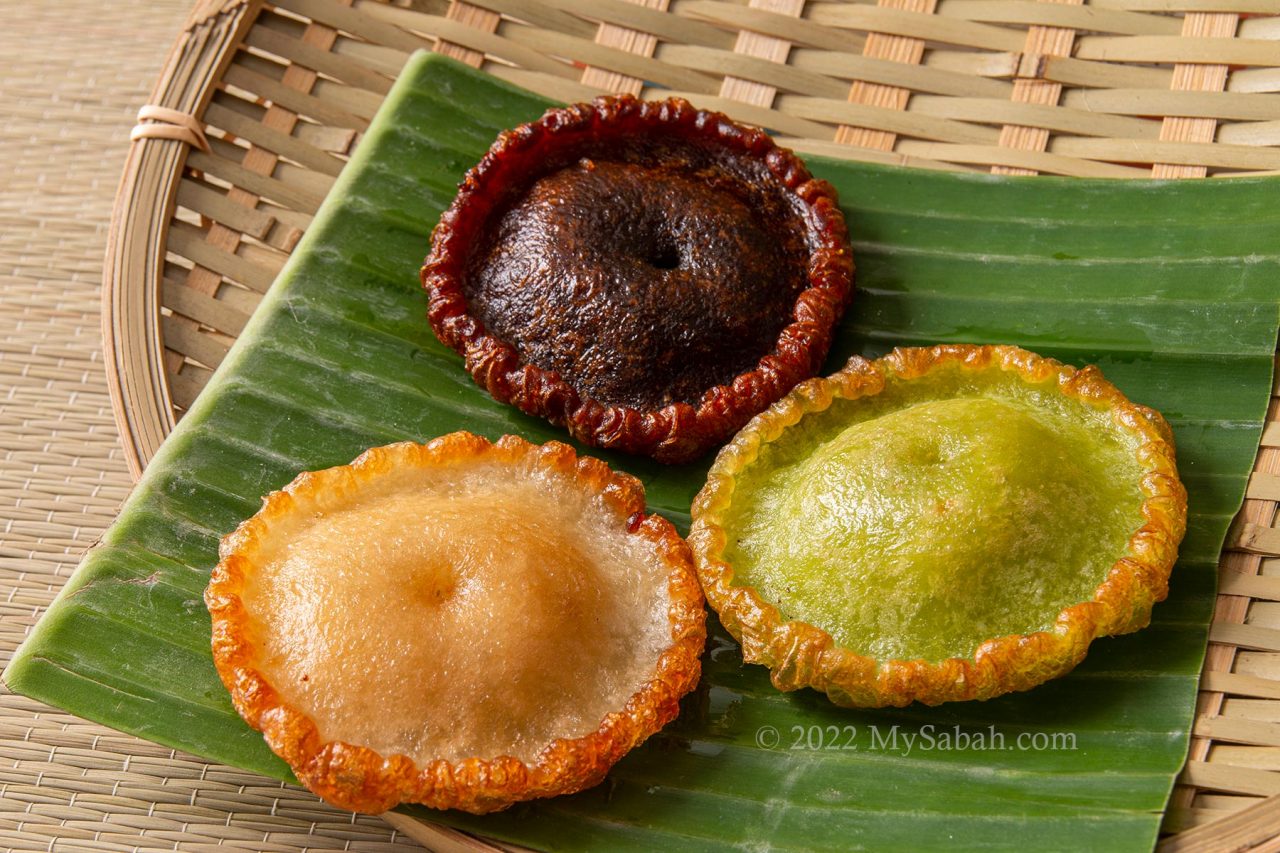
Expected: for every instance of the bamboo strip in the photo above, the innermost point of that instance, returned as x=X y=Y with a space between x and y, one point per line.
x=135 y=255
x=284 y=144
x=907 y=21
x=1240 y=755
x=240 y=176
x=215 y=257
x=1184 y=49
x=187 y=384
x=442 y=839
x=357 y=22
x=1220 y=105
x=215 y=261
x=1181 y=819
x=1255 y=538
x=924 y=78
x=206 y=309
x=298 y=51
x=749 y=71
x=1245 y=636
x=290 y=99
x=1049 y=162
x=1237 y=684
x=286 y=220
x=1212 y=78
x=1271 y=434
x=1236 y=730
x=628 y=40
x=1261 y=133
x=358 y=102
x=1243 y=830
x=215 y=205
x=1221 y=777
x=887 y=121
x=552 y=15
x=471 y=16
x=1229 y=611
x=674 y=28
x=774 y=119
x=1032 y=88
x=1252 y=27
x=1103 y=75
x=830 y=148
x=501 y=42
x=333 y=140
x=192 y=343
x=1254 y=80
x=766 y=21
x=378 y=57
x=226 y=155
x=770 y=48
x=1063 y=119
x=620 y=61
x=556 y=88
x=1149 y=151
x=261 y=255
x=1259 y=664
x=1002 y=64
x=1264 y=486
x=1244 y=7
x=280 y=236
x=1089 y=18
x=895 y=48
x=1250 y=586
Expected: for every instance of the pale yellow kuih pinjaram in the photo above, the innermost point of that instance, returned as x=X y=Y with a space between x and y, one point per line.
x=941 y=524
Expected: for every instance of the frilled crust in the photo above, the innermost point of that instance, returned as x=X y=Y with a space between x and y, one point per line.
x=802 y=655
x=360 y=779
x=679 y=431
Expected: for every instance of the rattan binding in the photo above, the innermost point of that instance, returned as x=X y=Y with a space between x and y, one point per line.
x=1099 y=88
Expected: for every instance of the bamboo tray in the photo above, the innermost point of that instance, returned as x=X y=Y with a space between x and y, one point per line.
x=261 y=103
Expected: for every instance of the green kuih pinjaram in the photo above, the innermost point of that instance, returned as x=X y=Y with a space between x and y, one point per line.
x=930 y=518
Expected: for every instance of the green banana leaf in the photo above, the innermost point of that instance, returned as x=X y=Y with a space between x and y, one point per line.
x=1170 y=287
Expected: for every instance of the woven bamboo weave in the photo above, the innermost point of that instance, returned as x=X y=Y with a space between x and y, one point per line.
x=72 y=76
x=1108 y=88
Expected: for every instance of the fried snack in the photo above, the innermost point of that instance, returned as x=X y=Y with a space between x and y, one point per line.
x=646 y=274
x=942 y=524
x=460 y=624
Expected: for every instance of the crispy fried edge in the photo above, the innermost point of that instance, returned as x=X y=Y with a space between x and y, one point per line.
x=678 y=432
x=360 y=779
x=801 y=655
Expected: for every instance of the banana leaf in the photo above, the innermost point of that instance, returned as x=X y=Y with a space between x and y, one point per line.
x=1171 y=287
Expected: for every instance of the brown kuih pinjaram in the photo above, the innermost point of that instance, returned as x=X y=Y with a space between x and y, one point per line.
x=646 y=274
